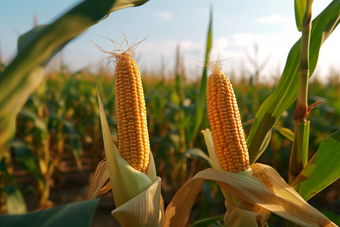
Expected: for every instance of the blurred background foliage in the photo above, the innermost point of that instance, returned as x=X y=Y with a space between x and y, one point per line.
x=58 y=131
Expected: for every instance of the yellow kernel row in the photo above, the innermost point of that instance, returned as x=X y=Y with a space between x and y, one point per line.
x=226 y=126
x=133 y=137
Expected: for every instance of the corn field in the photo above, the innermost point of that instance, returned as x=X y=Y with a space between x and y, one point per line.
x=55 y=145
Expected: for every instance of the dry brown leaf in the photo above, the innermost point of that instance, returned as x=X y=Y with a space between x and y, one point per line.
x=100 y=181
x=107 y=187
x=284 y=201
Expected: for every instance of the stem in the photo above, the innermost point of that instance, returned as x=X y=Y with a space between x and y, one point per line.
x=302 y=105
x=299 y=156
x=299 y=153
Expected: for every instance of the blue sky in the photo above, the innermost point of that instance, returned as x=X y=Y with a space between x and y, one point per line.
x=236 y=26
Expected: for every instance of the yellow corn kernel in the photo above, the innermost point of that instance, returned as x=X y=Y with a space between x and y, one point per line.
x=133 y=137
x=225 y=122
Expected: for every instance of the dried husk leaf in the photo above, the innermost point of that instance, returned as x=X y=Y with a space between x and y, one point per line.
x=144 y=210
x=100 y=182
x=246 y=214
x=273 y=180
x=284 y=200
x=250 y=190
x=237 y=216
x=105 y=188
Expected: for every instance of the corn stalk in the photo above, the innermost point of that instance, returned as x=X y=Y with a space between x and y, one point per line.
x=299 y=154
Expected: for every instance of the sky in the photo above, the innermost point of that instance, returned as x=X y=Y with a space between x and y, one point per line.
x=237 y=26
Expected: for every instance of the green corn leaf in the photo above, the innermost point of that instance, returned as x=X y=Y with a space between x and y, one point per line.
x=15 y=202
x=322 y=169
x=4 y=170
x=207 y=203
x=73 y=136
x=198 y=153
x=287 y=89
x=70 y=131
x=300 y=9
x=266 y=142
x=23 y=155
x=207 y=221
x=201 y=99
x=286 y=132
x=78 y=214
x=24 y=74
x=332 y=216
x=121 y=4
x=38 y=123
x=175 y=140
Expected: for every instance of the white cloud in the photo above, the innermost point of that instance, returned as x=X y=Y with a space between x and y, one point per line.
x=272 y=19
x=161 y=54
x=164 y=15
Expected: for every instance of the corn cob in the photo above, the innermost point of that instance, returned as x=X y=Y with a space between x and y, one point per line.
x=133 y=138
x=225 y=122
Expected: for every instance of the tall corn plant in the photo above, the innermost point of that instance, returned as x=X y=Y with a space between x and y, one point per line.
x=311 y=176
x=35 y=48
x=308 y=177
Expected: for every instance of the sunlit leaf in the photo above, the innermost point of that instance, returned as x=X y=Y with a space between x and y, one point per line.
x=323 y=168
x=201 y=99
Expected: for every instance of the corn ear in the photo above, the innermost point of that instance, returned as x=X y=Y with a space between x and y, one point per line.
x=126 y=182
x=133 y=137
x=225 y=122
x=137 y=195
